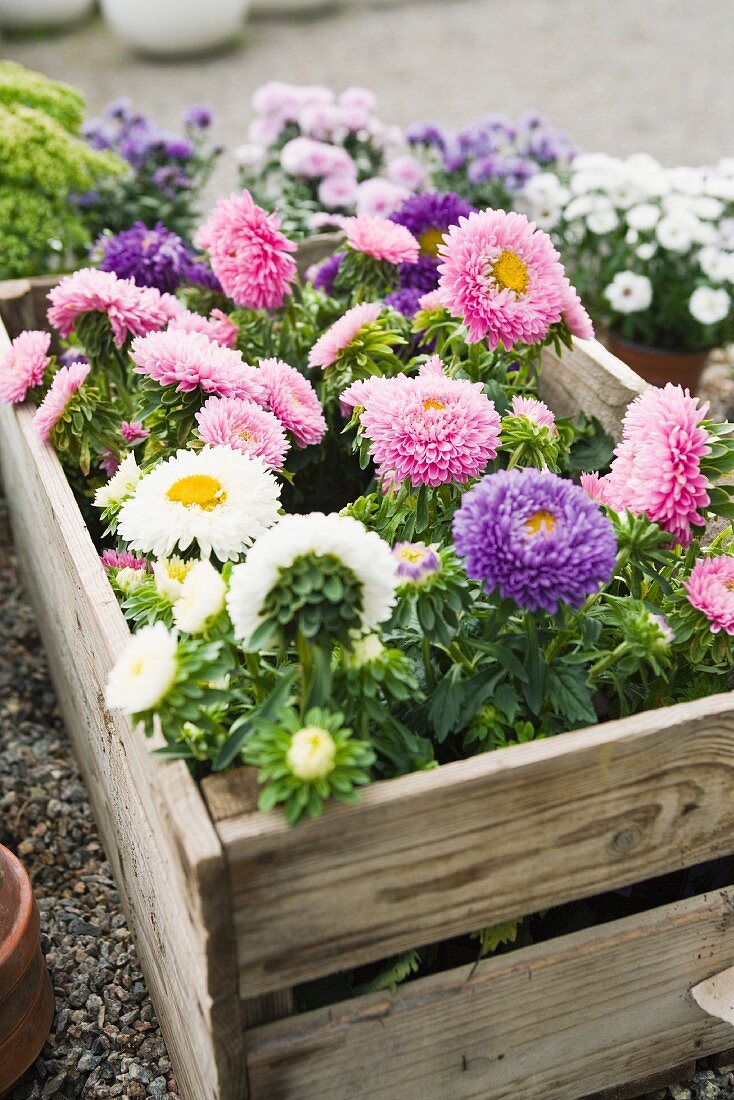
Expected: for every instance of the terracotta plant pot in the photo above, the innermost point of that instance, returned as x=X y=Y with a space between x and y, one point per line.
x=658 y=366
x=26 y=995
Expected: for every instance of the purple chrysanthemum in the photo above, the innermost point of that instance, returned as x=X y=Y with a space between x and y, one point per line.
x=422 y=276
x=200 y=274
x=415 y=562
x=405 y=301
x=536 y=538
x=327 y=272
x=152 y=257
x=428 y=216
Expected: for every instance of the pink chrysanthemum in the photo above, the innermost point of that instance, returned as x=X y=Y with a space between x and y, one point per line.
x=331 y=343
x=217 y=326
x=190 y=360
x=249 y=255
x=431 y=429
x=431 y=300
x=357 y=395
x=502 y=277
x=109 y=463
x=575 y=316
x=294 y=401
x=122 y=559
x=657 y=471
x=596 y=487
x=133 y=432
x=537 y=412
x=710 y=589
x=232 y=422
x=131 y=310
x=65 y=384
x=381 y=239
x=23 y=365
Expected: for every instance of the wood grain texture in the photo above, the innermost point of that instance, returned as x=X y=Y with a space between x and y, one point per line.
x=555 y=1021
x=23 y=303
x=435 y=854
x=592 y=379
x=164 y=851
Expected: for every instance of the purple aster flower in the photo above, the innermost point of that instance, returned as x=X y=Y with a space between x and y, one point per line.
x=491 y=167
x=535 y=537
x=422 y=276
x=152 y=257
x=405 y=300
x=453 y=160
x=327 y=272
x=415 y=562
x=425 y=133
x=170 y=180
x=71 y=356
x=428 y=216
x=176 y=147
x=199 y=116
x=119 y=109
x=200 y=274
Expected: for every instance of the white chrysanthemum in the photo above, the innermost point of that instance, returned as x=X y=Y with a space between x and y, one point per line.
x=545 y=189
x=201 y=599
x=709 y=306
x=643 y=216
x=646 y=251
x=362 y=551
x=365 y=650
x=128 y=579
x=145 y=672
x=677 y=232
x=217 y=497
x=717 y=264
x=629 y=292
x=121 y=485
x=602 y=221
x=311 y=754
x=170 y=573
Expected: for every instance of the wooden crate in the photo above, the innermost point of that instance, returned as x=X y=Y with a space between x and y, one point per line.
x=231 y=908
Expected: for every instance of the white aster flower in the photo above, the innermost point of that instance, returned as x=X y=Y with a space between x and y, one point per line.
x=311 y=754
x=643 y=216
x=201 y=599
x=689 y=181
x=646 y=251
x=707 y=207
x=361 y=551
x=250 y=154
x=145 y=672
x=121 y=485
x=715 y=264
x=217 y=497
x=708 y=305
x=545 y=189
x=676 y=232
x=170 y=573
x=726 y=232
x=129 y=579
x=629 y=292
x=632 y=236
x=602 y=221
x=364 y=651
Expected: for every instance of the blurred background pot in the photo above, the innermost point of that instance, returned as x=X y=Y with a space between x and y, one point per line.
x=175 y=26
x=26 y=995
x=659 y=366
x=25 y=15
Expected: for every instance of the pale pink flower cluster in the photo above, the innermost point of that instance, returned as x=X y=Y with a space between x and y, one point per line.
x=537 y=412
x=380 y=196
x=710 y=589
x=381 y=239
x=133 y=431
x=66 y=382
x=294 y=401
x=23 y=365
x=429 y=430
x=407 y=171
x=303 y=156
x=131 y=310
x=244 y=426
x=249 y=255
x=333 y=342
x=190 y=361
x=217 y=326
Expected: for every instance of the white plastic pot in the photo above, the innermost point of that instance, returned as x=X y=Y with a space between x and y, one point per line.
x=175 y=26
x=20 y=15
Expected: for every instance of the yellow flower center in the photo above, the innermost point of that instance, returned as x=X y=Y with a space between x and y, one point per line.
x=177 y=569
x=246 y=436
x=432 y=403
x=413 y=554
x=197 y=490
x=430 y=240
x=510 y=273
x=729 y=585
x=540 y=523
x=136 y=669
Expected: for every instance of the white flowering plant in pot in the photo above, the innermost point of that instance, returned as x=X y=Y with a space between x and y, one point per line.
x=651 y=249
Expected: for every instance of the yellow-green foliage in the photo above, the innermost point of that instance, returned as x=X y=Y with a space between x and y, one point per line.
x=43 y=161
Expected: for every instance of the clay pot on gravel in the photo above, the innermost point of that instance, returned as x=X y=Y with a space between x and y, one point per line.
x=658 y=366
x=26 y=995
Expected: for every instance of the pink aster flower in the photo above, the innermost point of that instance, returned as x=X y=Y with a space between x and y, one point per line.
x=380 y=196
x=232 y=422
x=357 y=395
x=382 y=239
x=710 y=589
x=65 y=384
x=431 y=300
x=502 y=277
x=109 y=462
x=133 y=432
x=332 y=343
x=537 y=412
x=657 y=471
x=431 y=429
x=249 y=255
x=190 y=360
x=217 y=326
x=23 y=365
x=596 y=487
x=131 y=310
x=575 y=316
x=303 y=156
x=122 y=559
x=292 y=398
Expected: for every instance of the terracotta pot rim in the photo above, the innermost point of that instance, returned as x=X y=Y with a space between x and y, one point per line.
x=663 y=353
x=24 y=917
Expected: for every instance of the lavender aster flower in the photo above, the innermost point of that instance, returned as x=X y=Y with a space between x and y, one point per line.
x=415 y=562
x=71 y=356
x=536 y=538
x=421 y=276
x=152 y=257
x=200 y=274
x=428 y=216
x=405 y=301
x=199 y=116
x=425 y=133
x=327 y=272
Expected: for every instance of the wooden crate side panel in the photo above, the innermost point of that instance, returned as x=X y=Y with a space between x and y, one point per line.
x=165 y=854
x=551 y=1022
x=589 y=378
x=435 y=854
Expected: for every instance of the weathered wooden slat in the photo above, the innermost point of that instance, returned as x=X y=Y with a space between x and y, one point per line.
x=435 y=854
x=165 y=853
x=555 y=1021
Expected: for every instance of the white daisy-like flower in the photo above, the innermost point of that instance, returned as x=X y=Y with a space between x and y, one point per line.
x=145 y=671
x=201 y=599
x=121 y=485
x=170 y=574
x=602 y=221
x=629 y=292
x=311 y=754
x=717 y=265
x=726 y=232
x=643 y=216
x=632 y=236
x=545 y=189
x=365 y=650
x=128 y=580
x=647 y=250
x=709 y=305
x=676 y=232
x=361 y=551
x=218 y=498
